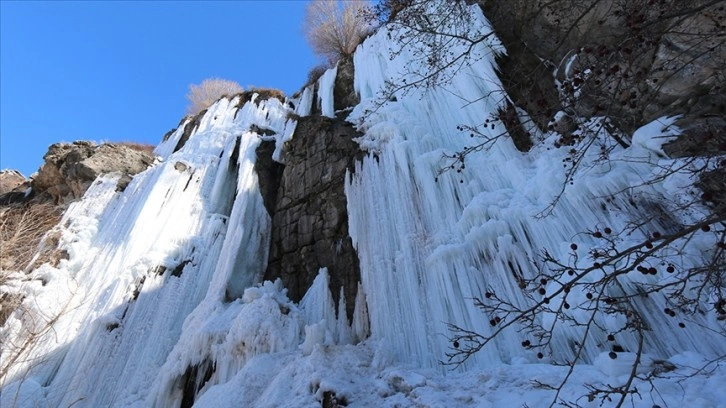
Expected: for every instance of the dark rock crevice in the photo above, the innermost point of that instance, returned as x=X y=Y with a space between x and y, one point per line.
x=269 y=174
x=525 y=78
x=344 y=95
x=189 y=128
x=194 y=378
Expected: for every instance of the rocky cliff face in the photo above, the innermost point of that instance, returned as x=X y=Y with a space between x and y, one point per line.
x=309 y=217
x=305 y=197
x=661 y=69
x=633 y=62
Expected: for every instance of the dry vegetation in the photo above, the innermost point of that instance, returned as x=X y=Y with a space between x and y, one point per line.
x=139 y=147
x=202 y=96
x=334 y=28
x=8 y=301
x=17 y=349
x=267 y=93
x=21 y=230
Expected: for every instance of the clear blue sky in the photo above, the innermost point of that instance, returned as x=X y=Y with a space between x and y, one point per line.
x=119 y=71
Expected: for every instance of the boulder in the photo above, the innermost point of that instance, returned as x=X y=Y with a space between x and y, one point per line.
x=10 y=181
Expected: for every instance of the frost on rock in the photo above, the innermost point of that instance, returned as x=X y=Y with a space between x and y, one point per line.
x=653 y=135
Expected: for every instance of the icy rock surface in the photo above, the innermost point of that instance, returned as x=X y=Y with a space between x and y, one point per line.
x=181 y=243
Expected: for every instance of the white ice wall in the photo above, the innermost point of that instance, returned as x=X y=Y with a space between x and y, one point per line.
x=428 y=246
x=197 y=208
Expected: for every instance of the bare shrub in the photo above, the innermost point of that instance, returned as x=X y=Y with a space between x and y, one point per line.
x=139 y=147
x=21 y=230
x=8 y=301
x=267 y=93
x=202 y=96
x=334 y=28
x=17 y=350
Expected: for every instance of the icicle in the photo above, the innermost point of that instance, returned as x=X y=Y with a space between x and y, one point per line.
x=326 y=83
x=306 y=102
x=429 y=242
x=343 y=332
x=361 y=325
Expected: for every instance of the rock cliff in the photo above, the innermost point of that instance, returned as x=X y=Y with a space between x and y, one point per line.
x=633 y=62
x=310 y=218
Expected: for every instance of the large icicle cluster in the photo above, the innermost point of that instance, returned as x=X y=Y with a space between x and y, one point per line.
x=462 y=234
x=161 y=277
x=160 y=302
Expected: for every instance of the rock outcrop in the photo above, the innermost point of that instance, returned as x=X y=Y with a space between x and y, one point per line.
x=70 y=168
x=310 y=221
x=633 y=61
x=11 y=180
x=13 y=186
x=344 y=95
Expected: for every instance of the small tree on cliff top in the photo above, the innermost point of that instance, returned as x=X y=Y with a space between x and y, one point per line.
x=201 y=96
x=334 y=28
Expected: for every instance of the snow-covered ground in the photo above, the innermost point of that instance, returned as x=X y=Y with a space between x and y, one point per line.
x=127 y=332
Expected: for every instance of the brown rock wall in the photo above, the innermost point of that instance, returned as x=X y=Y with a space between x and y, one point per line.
x=70 y=168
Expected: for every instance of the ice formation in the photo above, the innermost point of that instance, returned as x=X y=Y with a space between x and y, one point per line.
x=161 y=299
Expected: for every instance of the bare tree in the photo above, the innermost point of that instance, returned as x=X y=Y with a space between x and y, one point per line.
x=202 y=96
x=334 y=28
